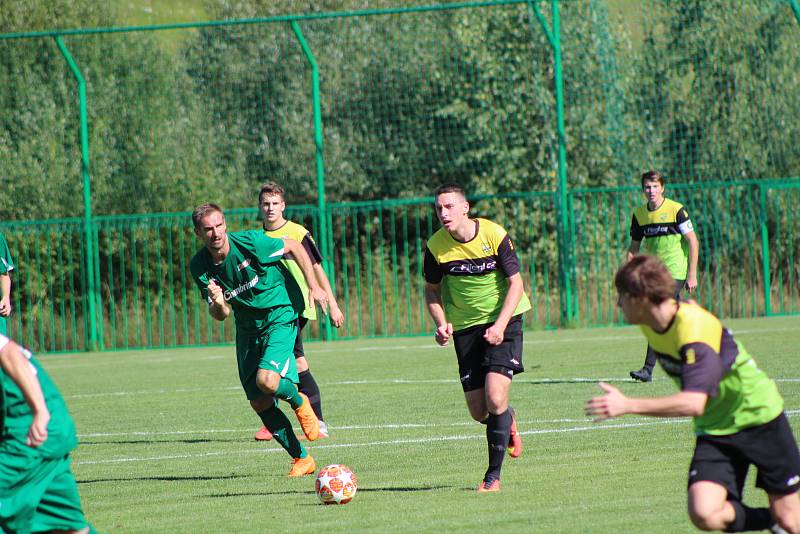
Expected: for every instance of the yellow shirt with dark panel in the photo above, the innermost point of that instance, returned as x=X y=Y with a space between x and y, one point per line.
x=473 y=275
x=701 y=355
x=662 y=230
x=299 y=233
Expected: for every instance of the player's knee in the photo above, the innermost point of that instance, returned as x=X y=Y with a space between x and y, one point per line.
x=479 y=416
x=302 y=363
x=267 y=381
x=496 y=403
x=703 y=522
x=706 y=518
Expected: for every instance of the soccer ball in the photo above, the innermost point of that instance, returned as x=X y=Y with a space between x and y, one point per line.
x=336 y=484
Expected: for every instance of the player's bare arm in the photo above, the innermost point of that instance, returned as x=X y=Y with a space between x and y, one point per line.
x=316 y=294
x=633 y=250
x=694 y=255
x=495 y=333
x=336 y=315
x=5 y=295
x=433 y=299
x=218 y=308
x=19 y=370
x=614 y=404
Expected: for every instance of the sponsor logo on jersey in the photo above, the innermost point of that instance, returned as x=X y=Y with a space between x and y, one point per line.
x=474 y=268
x=244 y=287
x=655 y=230
x=486 y=248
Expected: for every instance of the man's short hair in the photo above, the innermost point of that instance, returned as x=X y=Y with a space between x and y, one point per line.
x=271 y=188
x=645 y=276
x=652 y=176
x=449 y=188
x=202 y=210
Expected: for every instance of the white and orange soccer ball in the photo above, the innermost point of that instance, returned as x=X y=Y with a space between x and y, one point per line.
x=336 y=484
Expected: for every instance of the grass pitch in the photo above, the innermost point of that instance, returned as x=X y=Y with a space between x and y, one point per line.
x=167 y=439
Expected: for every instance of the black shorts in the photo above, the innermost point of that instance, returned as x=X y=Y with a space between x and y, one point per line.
x=771 y=447
x=476 y=357
x=298 y=341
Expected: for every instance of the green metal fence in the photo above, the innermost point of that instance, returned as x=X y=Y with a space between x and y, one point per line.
x=564 y=101
x=146 y=297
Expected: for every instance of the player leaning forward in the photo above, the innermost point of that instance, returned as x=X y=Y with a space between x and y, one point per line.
x=475 y=295
x=737 y=409
x=241 y=272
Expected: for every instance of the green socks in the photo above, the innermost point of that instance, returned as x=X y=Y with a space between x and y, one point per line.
x=288 y=392
x=277 y=423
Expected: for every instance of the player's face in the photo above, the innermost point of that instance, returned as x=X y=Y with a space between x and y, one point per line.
x=653 y=191
x=271 y=207
x=213 y=231
x=452 y=209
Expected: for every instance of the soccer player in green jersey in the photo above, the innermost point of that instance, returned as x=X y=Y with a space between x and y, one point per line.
x=475 y=295
x=241 y=272
x=38 y=492
x=737 y=410
x=667 y=232
x=272 y=204
x=6 y=266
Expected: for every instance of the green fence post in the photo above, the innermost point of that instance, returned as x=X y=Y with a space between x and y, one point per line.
x=563 y=193
x=565 y=241
x=762 y=190
x=87 y=200
x=324 y=238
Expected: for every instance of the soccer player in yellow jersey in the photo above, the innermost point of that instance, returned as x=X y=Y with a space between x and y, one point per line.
x=475 y=295
x=272 y=204
x=737 y=410
x=667 y=231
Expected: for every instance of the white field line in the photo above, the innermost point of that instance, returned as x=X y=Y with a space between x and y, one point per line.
x=462 y=437
x=628 y=337
x=384 y=381
x=64 y=359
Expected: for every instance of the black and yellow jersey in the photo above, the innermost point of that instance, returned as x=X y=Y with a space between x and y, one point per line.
x=662 y=230
x=298 y=232
x=473 y=274
x=701 y=355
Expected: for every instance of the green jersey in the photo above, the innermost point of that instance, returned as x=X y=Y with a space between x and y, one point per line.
x=17 y=416
x=474 y=274
x=299 y=233
x=253 y=280
x=662 y=230
x=701 y=355
x=6 y=263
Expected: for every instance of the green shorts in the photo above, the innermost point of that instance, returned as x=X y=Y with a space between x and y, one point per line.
x=38 y=494
x=273 y=349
